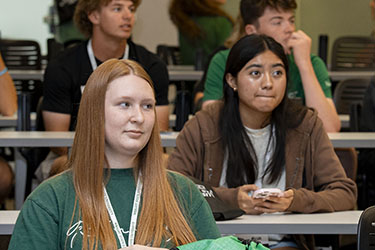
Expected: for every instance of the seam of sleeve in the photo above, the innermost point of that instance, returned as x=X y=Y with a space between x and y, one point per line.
x=44 y=209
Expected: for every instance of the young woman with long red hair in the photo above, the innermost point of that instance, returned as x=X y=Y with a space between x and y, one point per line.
x=115 y=171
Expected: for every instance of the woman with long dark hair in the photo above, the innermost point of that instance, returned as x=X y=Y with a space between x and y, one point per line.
x=202 y=25
x=258 y=138
x=115 y=172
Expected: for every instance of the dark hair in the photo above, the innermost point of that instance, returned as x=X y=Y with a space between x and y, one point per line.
x=242 y=167
x=182 y=13
x=251 y=10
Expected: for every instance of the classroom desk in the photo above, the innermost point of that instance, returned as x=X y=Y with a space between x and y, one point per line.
x=8 y=219
x=11 y=121
x=322 y=223
x=65 y=139
x=352 y=139
x=58 y=139
x=345 y=121
x=180 y=67
x=187 y=73
x=343 y=75
x=180 y=73
x=21 y=74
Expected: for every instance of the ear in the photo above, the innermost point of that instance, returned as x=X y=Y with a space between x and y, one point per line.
x=231 y=80
x=94 y=17
x=250 y=29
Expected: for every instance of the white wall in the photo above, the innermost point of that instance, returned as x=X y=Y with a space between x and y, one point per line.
x=153 y=25
x=335 y=18
x=232 y=7
x=23 y=19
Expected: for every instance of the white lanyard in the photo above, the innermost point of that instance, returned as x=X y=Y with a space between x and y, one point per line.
x=94 y=65
x=134 y=217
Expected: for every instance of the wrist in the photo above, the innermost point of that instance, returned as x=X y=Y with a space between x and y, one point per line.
x=3 y=71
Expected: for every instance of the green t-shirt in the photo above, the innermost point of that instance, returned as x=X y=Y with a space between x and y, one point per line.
x=216 y=31
x=45 y=221
x=213 y=87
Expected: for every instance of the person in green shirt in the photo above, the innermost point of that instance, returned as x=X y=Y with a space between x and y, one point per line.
x=116 y=191
x=202 y=27
x=309 y=79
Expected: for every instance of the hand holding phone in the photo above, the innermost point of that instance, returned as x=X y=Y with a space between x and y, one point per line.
x=264 y=193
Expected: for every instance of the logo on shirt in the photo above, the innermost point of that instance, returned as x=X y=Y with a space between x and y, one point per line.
x=292 y=94
x=205 y=192
x=77 y=229
x=73 y=231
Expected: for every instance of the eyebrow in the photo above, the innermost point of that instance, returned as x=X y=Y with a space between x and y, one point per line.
x=276 y=18
x=260 y=66
x=281 y=18
x=254 y=66
x=149 y=100
x=133 y=99
x=278 y=65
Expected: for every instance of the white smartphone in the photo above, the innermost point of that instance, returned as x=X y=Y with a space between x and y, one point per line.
x=267 y=192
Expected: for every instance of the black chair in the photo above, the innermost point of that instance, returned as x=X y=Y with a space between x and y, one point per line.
x=349 y=161
x=353 y=53
x=349 y=92
x=366 y=230
x=170 y=55
x=24 y=55
x=21 y=54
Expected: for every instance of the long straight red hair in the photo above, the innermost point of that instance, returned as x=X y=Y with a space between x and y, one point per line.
x=160 y=209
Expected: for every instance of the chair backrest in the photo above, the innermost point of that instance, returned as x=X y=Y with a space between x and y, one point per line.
x=170 y=55
x=348 y=92
x=349 y=161
x=21 y=54
x=366 y=230
x=353 y=53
